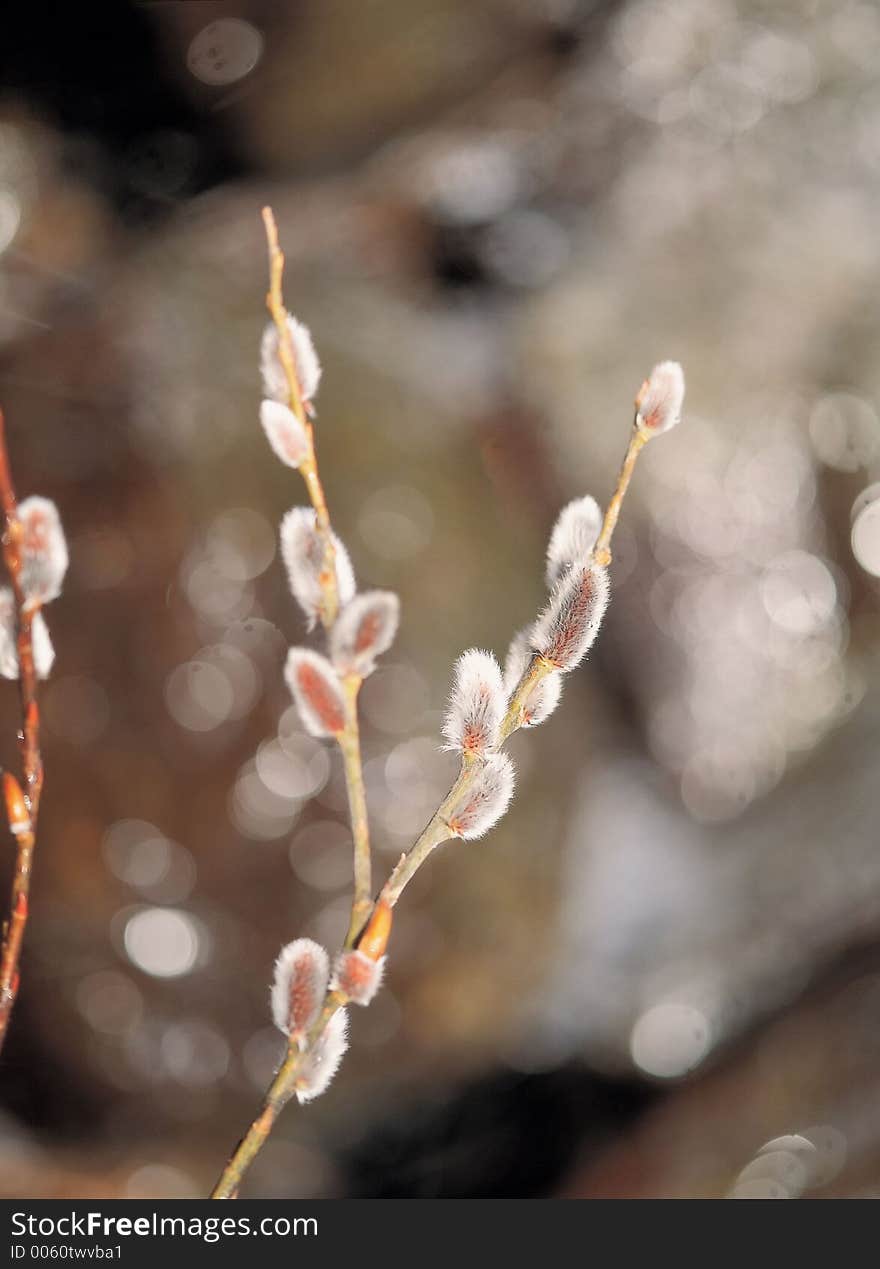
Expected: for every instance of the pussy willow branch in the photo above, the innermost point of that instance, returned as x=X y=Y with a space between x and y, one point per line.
x=29 y=743
x=349 y=741
x=436 y=832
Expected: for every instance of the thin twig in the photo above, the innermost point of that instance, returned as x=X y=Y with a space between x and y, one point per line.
x=23 y=816
x=437 y=830
x=309 y=465
x=602 y=549
x=283 y=1085
x=349 y=741
x=279 y=1093
x=350 y=744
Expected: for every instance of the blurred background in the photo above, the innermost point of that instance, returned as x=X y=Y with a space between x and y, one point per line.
x=498 y=216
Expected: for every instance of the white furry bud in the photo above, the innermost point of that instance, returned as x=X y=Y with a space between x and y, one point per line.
x=567 y=628
x=476 y=704
x=321 y=1064
x=308 y=368
x=43 y=550
x=574 y=536
x=660 y=398
x=364 y=629
x=315 y=688
x=544 y=696
x=358 y=976
x=302 y=549
x=300 y=982
x=44 y=653
x=284 y=432
x=481 y=806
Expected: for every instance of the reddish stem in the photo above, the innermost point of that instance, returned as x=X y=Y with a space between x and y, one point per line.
x=29 y=742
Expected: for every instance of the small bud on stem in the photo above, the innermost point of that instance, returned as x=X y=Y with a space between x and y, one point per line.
x=358 y=976
x=322 y=1061
x=17 y=811
x=485 y=800
x=301 y=973
x=574 y=536
x=284 y=432
x=476 y=704
x=316 y=690
x=302 y=549
x=364 y=629
x=308 y=368
x=43 y=550
x=660 y=398
x=567 y=628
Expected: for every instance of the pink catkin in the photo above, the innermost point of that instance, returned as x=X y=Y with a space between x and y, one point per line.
x=568 y=626
x=481 y=806
x=299 y=984
x=321 y=698
x=358 y=976
x=476 y=704
x=364 y=629
x=43 y=550
x=660 y=398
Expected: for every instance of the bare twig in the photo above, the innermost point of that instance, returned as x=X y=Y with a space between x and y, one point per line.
x=22 y=808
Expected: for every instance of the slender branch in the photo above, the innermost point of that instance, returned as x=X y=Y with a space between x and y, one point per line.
x=283 y=1085
x=602 y=549
x=536 y=670
x=349 y=742
x=433 y=835
x=309 y=466
x=21 y=811
x=437 y=830
x=350 y=745
x=279 y=1093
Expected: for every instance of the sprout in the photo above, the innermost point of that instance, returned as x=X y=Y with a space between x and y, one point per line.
x=315 y=687
x=476 y=704
x=364 y=629
x=301 y=973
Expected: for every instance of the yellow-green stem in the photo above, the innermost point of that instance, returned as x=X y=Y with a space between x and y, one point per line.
x=279 y=1093
x=602 y=549
x=435 y=832
x=350 y=745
